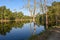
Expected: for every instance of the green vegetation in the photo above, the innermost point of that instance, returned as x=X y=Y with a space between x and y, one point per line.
x=7 y=14
x=53 y=17
x=53 y=14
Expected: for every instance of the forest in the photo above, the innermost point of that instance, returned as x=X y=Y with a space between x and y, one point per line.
x=53 y=14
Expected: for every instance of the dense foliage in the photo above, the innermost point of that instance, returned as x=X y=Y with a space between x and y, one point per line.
x=53 y=14
x=8 y=14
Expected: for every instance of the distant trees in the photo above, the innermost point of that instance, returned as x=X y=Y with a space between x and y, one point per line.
x=20 y=15
x=5 y=13
x=8 y=14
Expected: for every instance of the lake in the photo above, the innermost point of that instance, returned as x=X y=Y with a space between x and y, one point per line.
x=19 y=30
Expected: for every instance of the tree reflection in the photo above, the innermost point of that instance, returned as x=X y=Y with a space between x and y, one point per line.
x=34 y=32
x=7 y=26
x=34 y=28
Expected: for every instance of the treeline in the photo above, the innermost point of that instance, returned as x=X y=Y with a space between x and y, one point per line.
x=53 y=14
x=8 y=14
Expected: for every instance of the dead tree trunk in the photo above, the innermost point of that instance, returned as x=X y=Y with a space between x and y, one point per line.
x=34 y=10
x=46 y=14
x=41 y=10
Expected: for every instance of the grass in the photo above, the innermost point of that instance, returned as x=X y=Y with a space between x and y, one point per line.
x=42 y=36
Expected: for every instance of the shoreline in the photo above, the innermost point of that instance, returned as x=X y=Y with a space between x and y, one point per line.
x=16 y=20
x=42 y=36
x=47 y=34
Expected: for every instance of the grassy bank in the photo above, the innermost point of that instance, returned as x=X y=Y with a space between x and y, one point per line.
x=17 y=20
x=42 y=36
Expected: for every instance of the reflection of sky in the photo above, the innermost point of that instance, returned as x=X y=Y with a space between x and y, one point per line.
x=22 y=33
x=17 y=4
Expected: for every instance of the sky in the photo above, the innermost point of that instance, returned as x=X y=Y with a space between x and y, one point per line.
x=18 y=4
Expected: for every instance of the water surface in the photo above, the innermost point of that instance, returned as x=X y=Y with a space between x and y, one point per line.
x=19 y=31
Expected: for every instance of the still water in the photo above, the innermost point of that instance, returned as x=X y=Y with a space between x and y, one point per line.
x=19 y=31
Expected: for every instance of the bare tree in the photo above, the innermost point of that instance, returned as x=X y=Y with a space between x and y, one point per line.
x=32 y=10
x=45 y=7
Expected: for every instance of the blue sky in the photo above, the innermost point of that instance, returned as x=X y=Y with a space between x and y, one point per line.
x=17 y=4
